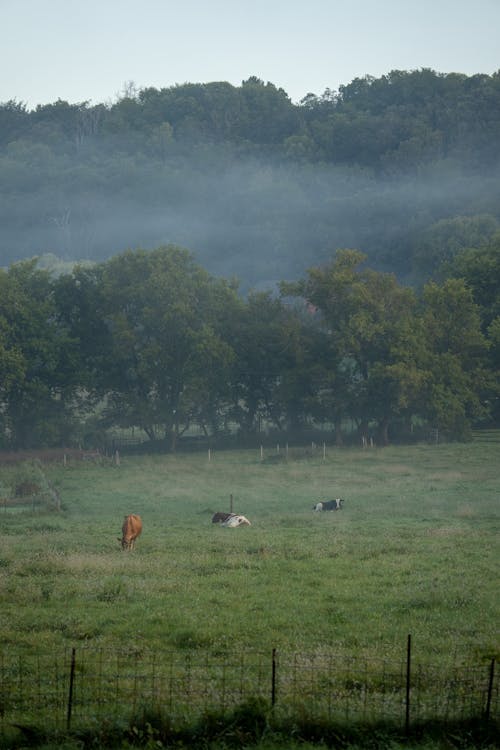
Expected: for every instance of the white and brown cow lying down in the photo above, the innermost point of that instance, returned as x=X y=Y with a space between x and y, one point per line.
x=230 y=519
x=329 y=504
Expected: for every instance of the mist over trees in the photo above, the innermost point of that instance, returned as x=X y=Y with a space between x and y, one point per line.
x=212 y=287
x=404 y=168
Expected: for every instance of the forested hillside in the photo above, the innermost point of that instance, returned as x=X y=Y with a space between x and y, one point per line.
x=404 y=168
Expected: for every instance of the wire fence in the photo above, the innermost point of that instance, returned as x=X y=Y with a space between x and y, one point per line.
x=84 y=686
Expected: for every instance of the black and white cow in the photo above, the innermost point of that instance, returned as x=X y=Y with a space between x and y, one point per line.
x=234 y=521
x=220 y=517
x=329 y=504
x=230 y=519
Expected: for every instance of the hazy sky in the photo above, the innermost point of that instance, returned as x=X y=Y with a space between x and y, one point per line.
x=86 y=50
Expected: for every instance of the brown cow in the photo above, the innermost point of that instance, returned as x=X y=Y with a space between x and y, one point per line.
x=132 y=527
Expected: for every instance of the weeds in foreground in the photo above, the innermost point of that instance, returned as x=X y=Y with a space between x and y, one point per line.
x=251 y=726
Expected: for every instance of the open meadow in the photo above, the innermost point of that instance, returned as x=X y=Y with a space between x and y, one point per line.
x=414 y=550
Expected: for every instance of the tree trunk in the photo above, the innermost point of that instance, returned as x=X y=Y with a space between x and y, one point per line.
x=384 y=431
x=174 y=432
x=363 y=431
x=339 y=440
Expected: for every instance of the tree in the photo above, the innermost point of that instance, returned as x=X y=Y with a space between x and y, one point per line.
x=14 y=121
x=37 y=386
x=268 y=116
x=372 y=327
x=161 y=140
x=493 y=334
x=163 y=317
x=11 y=356
x=454 y=359
x=321 y=382
x=479 y=266
x=437 y=246
x=264 y=337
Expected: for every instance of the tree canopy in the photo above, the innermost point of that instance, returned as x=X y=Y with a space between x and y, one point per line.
x=151 y=340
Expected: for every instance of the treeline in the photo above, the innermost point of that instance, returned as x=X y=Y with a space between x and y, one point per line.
x=400 y=120
x=404 y=167
x=150 y=339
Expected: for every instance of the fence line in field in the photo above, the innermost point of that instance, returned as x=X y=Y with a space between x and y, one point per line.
x=87 y=684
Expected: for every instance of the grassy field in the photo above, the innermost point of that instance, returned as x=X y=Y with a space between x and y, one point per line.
x=415 y=550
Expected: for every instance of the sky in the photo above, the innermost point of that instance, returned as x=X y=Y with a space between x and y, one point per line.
x=91 y=50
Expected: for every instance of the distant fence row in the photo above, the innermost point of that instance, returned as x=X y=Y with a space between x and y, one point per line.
x=313 y=445
x=78 y=687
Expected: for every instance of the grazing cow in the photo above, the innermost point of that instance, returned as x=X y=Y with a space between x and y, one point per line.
x=220 y=517
x=132 y=527
x=329 y=504
x=234 y=521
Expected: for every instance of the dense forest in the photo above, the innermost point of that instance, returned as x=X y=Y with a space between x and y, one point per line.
x=214 y=286
x=404 y=168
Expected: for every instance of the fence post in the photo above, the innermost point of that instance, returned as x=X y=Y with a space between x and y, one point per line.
x=273 y=679
x=71 y=683
x=490 y=690
x=408 y=679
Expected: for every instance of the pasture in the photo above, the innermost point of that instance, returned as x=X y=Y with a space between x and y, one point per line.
x=414 y=550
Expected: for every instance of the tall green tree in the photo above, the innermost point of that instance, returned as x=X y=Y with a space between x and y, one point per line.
x=37 y=384
x=479 y=266
x=163 y=315
x=457 y=378
x=372 y=326
x=265 y=338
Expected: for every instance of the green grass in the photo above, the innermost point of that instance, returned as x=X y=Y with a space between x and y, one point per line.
x=415 y=550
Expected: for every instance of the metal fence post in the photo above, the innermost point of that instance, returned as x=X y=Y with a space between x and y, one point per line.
x=490 y=690
x=71 y=683
x=408 y=681
x=273 y=679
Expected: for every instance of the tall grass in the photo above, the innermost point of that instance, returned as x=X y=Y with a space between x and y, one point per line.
x=415 y=550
